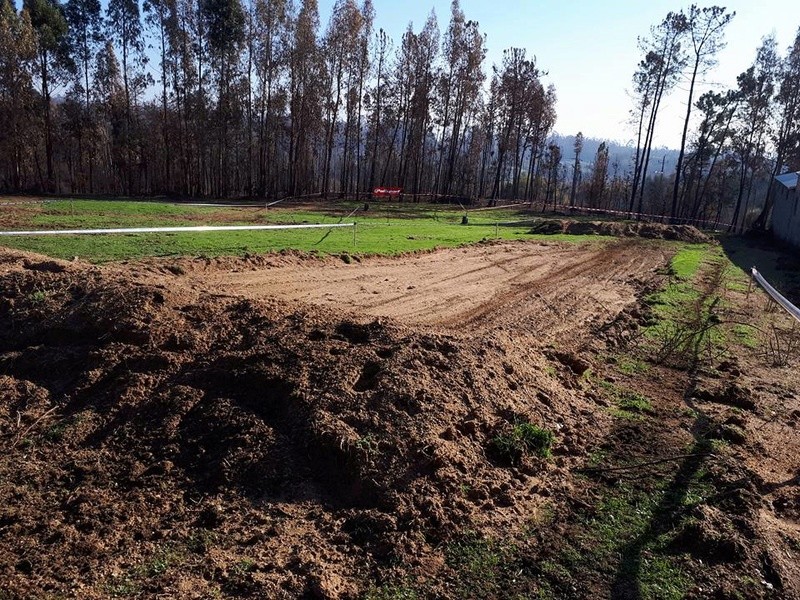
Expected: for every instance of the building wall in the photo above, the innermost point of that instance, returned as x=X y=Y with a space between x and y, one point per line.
x=786 y=216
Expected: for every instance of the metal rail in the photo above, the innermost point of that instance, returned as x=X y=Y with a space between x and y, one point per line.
x=198 y=228
x=776 y=295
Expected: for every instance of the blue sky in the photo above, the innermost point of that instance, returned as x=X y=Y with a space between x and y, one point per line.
x=589 y=49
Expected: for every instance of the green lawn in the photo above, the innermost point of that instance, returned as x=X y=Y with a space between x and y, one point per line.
x=384 y=229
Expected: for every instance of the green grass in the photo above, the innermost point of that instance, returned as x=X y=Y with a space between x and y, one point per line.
x=522 y=439
x=484 y=566
x=627 y=404
x=386 y=230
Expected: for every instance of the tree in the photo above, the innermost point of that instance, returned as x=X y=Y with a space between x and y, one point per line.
x=597 y=181
x=86 y=35
x=576 y=167
x=787 y=136
x=54 y=66
x=756 y=88
x=657 y=74
x=17 y=54
x=705 y=29
x=305 y=96
x=125 y=28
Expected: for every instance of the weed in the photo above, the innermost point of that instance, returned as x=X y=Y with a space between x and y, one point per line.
x=627 y=404
x=483 y=565
x=368 y=445
x=37 y=297
x=391 y=592
x=522 y=439
x=631 y=366
x=201 y=541
x=122 y=587
x=745 y=335
x=245 y=565
x=58 y=430
x=780 y=345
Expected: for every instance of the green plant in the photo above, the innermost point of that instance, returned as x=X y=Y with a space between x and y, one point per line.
x=391 y=592
x=37 y=297
x=245 y=565
x=523 y=438
x=368 y=445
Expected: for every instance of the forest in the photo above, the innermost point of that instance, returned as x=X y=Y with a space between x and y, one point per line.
x=257 y=99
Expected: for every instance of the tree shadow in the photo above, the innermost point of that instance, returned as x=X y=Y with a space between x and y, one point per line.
x=667 y=515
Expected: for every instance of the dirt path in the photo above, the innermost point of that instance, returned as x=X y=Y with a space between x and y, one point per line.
x=549 y=290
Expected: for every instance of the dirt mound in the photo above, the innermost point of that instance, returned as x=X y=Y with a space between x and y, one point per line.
x=684 y=233
x=153 y=421
x=162 y=437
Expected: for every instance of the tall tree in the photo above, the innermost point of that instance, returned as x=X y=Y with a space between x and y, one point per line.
x=125 y=28
x=305 y=90
x=17 y=54
x=86 y=35
x=756 y=88
x=787 y=131
x=705 y=29
x=656 y=75
x=576 y=167
x=54 y=65
x=597 y=181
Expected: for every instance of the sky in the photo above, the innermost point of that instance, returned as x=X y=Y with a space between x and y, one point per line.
x=589 y=50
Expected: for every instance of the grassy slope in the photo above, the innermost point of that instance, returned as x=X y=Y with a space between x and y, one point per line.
x=383 y=230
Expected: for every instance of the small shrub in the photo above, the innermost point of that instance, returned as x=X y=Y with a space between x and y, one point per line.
x=522 y=439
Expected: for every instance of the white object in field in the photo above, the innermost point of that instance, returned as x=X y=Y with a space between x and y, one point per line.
x=194 y=228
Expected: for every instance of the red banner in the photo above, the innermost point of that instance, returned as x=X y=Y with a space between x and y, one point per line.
x=386 y=192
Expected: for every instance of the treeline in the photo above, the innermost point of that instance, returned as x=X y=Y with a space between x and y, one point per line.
x=254 y=98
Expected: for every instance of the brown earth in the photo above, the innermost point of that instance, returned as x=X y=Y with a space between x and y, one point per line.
x=284 y=427
x=660 y=231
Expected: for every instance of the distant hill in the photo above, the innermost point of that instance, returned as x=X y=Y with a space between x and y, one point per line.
x=617 y=152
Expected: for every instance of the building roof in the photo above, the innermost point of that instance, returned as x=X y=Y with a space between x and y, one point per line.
x=789 y=180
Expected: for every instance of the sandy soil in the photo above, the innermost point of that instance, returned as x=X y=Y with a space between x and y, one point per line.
x=551 y=290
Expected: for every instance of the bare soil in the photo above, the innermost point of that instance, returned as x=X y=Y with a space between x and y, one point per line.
x=281 y=427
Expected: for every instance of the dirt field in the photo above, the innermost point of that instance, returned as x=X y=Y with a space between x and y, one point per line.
x=549 y=290
x=282 y=426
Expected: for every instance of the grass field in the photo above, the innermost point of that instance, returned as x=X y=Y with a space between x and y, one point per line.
x=383 y=229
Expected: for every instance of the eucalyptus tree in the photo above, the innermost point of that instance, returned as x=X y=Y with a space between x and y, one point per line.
x=86 y=37
x=656 y=75
x=17 y=56
x=54 y=66
x=125 y=28
x=787 y=131
x=305 y=93
x=271 y=50
x=377 y=97
x=756 y=87
x=160 y=19
x=577 y=146
x=705 y=28
x=599 y=176
x=459 y=90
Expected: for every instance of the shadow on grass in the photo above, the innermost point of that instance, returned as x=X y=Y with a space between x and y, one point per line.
x=668 y=514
